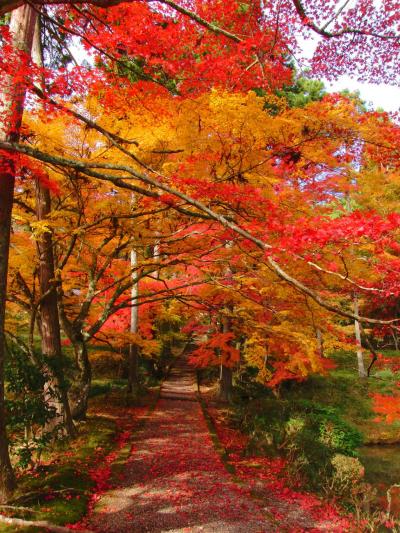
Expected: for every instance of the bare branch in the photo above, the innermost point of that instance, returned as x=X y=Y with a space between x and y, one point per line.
x=19 y=522
x=208 y=25
x=89 y=123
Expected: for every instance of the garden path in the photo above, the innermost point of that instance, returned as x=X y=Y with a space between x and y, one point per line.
x=175 y=480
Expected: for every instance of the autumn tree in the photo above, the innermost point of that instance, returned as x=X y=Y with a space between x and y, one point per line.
x=55 y=388
x=233 y=47
x=12 y=96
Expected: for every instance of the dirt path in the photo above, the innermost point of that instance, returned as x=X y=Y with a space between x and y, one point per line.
x=175 y=480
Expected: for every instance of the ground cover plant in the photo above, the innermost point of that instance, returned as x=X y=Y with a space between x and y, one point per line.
x=63 y=485
x=322 y=436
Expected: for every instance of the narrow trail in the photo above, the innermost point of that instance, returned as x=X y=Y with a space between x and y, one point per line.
x=175 y=480
x=181 y=383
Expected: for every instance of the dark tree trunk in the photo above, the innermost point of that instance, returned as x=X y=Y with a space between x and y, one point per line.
x=320 y=341
x=55 y=389
x=133 y=376
x=7 y=480
x=79 y=391
x=225 y=380
x=225 y=384
x=12 y=98
x=395 y=340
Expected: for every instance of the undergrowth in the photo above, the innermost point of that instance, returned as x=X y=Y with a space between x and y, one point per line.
x=319 y=426
x=60 y=488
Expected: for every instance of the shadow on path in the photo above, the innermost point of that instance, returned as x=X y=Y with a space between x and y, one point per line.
x=174 y=479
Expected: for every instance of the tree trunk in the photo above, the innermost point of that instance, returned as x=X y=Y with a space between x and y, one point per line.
x=395 y=341
x=320 y=341
x=12 y=98
x=357 y=330
x=79 y=393
x=133 y=376
x=7 y=480
x=225 y=384
x=225 y=379
x=54 y=389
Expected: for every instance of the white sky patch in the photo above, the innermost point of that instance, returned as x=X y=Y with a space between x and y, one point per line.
x=375 y=95
x=382 y=96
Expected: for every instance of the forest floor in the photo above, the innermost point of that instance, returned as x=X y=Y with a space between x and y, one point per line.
x=172 y=463
x=176 y=479
x=177 y=461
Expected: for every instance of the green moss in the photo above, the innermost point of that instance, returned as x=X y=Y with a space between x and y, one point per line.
x=106 y=386
x=214 y=437
x=59 y=492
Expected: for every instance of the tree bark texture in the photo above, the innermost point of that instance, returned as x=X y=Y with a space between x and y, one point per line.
x=79 y=395
x=54 y=389
x=12 y=98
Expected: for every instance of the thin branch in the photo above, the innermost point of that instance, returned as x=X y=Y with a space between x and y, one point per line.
x=344 y=277
x=298 y=4
x=336 y=15
x=85 y=168
x=202 y=22
x=89 y=123
x=47 y=526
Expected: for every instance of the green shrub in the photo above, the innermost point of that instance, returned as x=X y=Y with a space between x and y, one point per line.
x=339 y=436
x=99 y=387
x=333 y=431
x=312 y=458
x=27 y=411
x=308 y=433
x=385 y=373
x=347 y=473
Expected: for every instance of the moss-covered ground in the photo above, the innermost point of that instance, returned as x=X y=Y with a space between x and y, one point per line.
x=59 y=488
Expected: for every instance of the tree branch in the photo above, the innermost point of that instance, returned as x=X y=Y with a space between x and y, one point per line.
x=19 y=522
x=298 y=4
x=86 y=168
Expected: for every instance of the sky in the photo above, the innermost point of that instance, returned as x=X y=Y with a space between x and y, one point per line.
x=380 y=96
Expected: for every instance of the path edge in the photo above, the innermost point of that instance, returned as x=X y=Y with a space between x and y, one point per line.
x=230 y=468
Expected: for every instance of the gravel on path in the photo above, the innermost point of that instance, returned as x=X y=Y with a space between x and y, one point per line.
x=175 y=480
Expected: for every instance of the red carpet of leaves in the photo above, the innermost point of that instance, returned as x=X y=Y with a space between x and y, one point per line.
x=295 y=511
x=176 y=481
x=100 y=468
